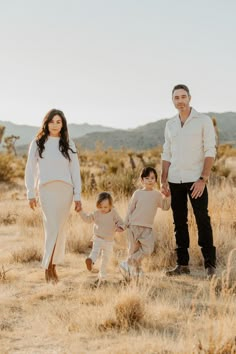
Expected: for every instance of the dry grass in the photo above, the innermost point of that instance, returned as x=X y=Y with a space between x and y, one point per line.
x=158 y=315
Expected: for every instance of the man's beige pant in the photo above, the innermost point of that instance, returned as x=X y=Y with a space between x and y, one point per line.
x=141 y=243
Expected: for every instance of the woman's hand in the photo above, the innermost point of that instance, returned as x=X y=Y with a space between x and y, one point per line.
x=78 y=205
x=32 y=203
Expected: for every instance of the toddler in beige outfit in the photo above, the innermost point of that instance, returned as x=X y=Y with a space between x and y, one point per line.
x=139 y=221
x=106 y=222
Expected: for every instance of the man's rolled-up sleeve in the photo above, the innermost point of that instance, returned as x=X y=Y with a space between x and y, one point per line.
x=209 y=138
x=166 y=154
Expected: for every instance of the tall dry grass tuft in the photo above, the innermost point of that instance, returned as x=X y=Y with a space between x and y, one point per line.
x=79 y=234
x=3 y=273
x=229 y=347
x=30 y=253
x=231 y=270
x=8 y=218
x=129 y=311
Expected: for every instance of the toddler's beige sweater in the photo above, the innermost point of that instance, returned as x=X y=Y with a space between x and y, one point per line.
x=143 y=207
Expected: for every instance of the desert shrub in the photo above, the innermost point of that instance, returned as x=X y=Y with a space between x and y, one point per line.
x=19 y=167
x=77 y=244
x=27 y=254
x=129 y=311
x=129 y=314
x=6 y=168
x=11 y=167
x=213 y=348
x=226 y=150
x=122 y=183
x=8 y=219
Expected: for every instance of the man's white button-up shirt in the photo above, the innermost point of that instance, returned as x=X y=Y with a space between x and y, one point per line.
x=186 y=147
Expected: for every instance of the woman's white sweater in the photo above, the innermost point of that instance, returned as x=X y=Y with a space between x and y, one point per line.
x=53 y=166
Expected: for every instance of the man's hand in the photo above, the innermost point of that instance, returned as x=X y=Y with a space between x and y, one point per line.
x=32 y=203
x=165 y=189
x=197 y=188
x=78 y=206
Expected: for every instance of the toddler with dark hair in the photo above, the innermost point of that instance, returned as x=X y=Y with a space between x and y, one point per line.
x=139 y=221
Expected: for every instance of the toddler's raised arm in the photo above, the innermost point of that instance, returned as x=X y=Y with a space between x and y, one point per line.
x=88 y=218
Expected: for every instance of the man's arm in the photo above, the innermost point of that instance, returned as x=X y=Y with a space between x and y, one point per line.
x=166 y=157
x=208 y=163
x=164 y=177
x=209 y=151
x=198 y=187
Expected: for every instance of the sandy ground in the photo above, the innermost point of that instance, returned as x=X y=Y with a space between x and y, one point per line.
x=44 y=318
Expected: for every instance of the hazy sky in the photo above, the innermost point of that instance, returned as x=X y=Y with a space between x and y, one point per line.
x=114 y=62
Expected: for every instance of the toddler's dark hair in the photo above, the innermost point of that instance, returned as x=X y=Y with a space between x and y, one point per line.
x=146 y=172
x=103 y=196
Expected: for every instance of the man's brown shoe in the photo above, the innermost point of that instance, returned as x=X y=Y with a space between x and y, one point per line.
x=178 y=270
x=210 y=272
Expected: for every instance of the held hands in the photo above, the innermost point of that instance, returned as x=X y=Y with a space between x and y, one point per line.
x=78 y=206
x=165 y=189
x=32 y=203
x=119 y=229
x=197 y=188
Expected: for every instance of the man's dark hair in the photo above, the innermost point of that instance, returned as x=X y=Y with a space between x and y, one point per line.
x=181 y=86
x=146 y=172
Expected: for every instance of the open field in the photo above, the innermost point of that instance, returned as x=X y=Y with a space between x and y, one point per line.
x=189 y=314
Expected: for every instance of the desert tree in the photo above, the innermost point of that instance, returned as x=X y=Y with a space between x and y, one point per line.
x=9 y=144
x=2 y=130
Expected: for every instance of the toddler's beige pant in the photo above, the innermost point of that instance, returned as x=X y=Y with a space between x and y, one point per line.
x=104 y=248
x=141 y=243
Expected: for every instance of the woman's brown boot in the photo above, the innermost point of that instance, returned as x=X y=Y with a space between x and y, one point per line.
x=46 y=275
x=54 y=273
x=49 y=274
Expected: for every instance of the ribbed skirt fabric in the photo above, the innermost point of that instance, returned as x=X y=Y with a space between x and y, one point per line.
x=55 y=199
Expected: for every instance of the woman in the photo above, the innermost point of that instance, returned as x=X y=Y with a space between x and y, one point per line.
x=53 y=168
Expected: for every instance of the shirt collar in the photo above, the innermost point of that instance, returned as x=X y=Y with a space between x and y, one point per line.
x=193 y=114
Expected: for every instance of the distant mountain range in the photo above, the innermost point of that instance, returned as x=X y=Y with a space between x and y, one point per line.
x=140 y=138
x=27 y=132
x=152 y=134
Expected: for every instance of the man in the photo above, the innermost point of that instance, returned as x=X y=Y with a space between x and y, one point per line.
x=187 y=159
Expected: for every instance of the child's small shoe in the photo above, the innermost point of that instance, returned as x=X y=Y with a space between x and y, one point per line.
x=89 y=263
x=137 y=272
x=94 y=270
x=125 y=269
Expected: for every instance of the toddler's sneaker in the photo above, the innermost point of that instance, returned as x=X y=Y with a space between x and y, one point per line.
x=139 y=272
x=136 y=271
x=125 y=269
x=89 y=263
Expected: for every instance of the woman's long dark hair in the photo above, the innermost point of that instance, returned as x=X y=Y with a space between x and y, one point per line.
x=43 y=134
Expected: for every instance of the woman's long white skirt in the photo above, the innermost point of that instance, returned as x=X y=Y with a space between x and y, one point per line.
x=55 y=199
